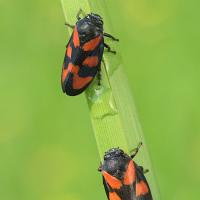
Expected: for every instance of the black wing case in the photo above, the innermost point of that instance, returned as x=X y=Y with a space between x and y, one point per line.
x=77 y=58
x=126 y=192
x=106 y=187
x=66 y=62
x=140 y=177
x=91 y=71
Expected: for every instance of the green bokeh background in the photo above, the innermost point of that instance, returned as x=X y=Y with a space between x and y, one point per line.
x=47 y=147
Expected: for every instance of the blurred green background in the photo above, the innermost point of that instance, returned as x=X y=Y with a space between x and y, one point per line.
x=47 y=147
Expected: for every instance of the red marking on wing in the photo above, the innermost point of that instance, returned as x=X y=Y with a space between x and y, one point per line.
x=130 y=174
x=69 y=51
x=76 y=40
x=71 y=68
x=141 y=188
x=80 y=82
x=92 y=44
x=91 y=61
x=112 y=181
x=114 y=196
x=64 y=73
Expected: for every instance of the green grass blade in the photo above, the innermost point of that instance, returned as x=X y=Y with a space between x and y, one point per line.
x=112 y=109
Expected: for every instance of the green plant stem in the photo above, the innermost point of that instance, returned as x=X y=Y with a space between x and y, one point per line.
x=112 y=109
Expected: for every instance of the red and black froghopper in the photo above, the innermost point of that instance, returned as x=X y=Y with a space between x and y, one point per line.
x=123 y=179
x=84 y=51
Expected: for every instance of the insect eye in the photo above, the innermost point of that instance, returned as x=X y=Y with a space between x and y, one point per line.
x=119 y=152
x=106 y=156
x=84 y=26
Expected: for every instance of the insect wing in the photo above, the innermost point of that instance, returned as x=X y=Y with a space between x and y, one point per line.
x=66 y=65
x=80 y=67
x=106 y=187
x=143 y=191
x=91 y=63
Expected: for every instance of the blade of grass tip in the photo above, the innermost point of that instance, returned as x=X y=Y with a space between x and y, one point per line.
x=112 y=110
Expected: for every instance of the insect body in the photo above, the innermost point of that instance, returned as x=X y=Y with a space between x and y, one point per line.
x=84 y=53
x=123 y=179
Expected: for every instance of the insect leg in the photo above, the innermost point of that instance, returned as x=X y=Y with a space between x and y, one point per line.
x=78 y=18
x=79 y=13
x=144 y=171
x=109 y=49
x=99 y=76
x=100 y=167
x=69 y=25
x=136 y=150
x=110 y=36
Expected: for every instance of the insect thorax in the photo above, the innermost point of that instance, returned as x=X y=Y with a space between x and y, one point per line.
x=116 y=162
x=89 y=28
